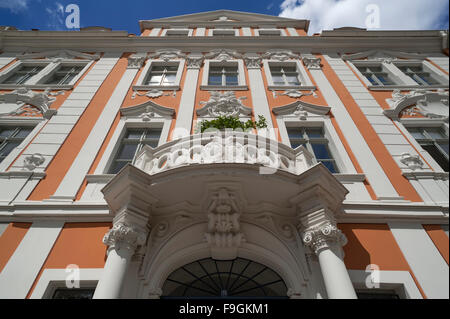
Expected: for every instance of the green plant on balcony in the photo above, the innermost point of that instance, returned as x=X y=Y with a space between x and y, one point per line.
x=230 y=122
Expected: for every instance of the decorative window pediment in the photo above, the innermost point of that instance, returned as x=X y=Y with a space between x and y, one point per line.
x=382 y=55
x=429 y=104
x=223 y=55
x=146 y=111
x=301 y=110
x=168 y=54
x=59 y=54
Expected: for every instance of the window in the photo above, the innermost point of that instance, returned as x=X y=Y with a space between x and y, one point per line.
x=73 y=293
x=23 y=73
x=40 y=73
x=418 y=74
x=64 y=74
x=376 y=75
x=10 y=138
x=313 y=139
x=223 y=75
x=132 y=142
x=284 y=75
x=269 y=32
x=162 y=75
x=177 y=32
x=435 y=141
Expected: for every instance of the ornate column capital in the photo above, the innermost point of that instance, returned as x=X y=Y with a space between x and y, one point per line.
x=194 y=61
x=253 y=61
x=124 y=236
x=135 y=61
x=312 y=62
x=323 y=237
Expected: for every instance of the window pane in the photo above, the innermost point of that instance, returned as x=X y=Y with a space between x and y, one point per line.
x=127 y=151
x=295 y=132
x=155 y=79
x=7 y=131
x=314 y=132
x=435 y=133
x=384 y=79
x=215 y=79
x=154 y=134
x=330 y=165
x=134 y=134
x=416 y=133
x=117 y=166
x=169 y=79
x=23 y=132
x=437 y=155
x=292 y=79
x=232 y=80
x=321 y=151
x=7 y=147
x=444 y=147
x=278 y=79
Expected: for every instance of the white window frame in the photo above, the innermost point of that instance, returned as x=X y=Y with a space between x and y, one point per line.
x=340 y=156
x=147 y=69
x=401 y=80
x=36 y=82
x=177 y=32
x=52 y=279
x=421 y=123
x=36 y=123
x=217 y=63
x=435 y=73
x=305 y=81
x=270 y=32
x=125 y=124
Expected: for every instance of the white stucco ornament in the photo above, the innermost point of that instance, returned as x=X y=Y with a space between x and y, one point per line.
x=224 y=104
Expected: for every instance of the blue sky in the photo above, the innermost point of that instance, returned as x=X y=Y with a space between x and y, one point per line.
x=324 y=14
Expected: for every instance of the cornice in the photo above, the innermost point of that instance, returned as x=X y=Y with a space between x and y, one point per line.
x=50 y=41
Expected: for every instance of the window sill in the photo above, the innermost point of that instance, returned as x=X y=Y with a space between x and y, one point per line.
x=291 y=87
x=406 y=87
x=224 y=88
x=156 y=87
x=36 y=86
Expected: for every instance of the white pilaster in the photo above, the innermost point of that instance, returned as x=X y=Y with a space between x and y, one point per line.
x=73 y=179
x=187 y=103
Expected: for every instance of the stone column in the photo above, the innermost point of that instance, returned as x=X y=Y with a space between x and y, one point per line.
x=326 y=240
x=123 y=241
x=129 y=198
x=319 y=200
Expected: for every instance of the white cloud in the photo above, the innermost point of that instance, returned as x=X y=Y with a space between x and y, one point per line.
x=14 y=5
x=55 y=18
x=394 y=14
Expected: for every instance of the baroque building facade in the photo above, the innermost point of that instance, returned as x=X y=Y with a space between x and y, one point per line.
x=109 y=189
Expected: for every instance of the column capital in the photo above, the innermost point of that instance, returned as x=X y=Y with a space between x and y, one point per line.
x=124 y=236
x=135 y=61
x=194 y=61
x=253 y=61
x=323 y=237
x=312 y=62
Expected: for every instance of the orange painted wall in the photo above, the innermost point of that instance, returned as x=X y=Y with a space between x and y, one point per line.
x=10 y=240
x=72 y=145
x=80 y=244
x=373 y=244
x=382 y=155
x=439 y=238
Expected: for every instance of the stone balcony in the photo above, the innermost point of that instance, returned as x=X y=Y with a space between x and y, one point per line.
x=225 y=147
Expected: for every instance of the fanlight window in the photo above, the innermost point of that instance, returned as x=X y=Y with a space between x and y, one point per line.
x=239 y=278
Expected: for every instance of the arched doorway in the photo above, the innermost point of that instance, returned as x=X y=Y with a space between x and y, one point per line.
x=238 y=278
